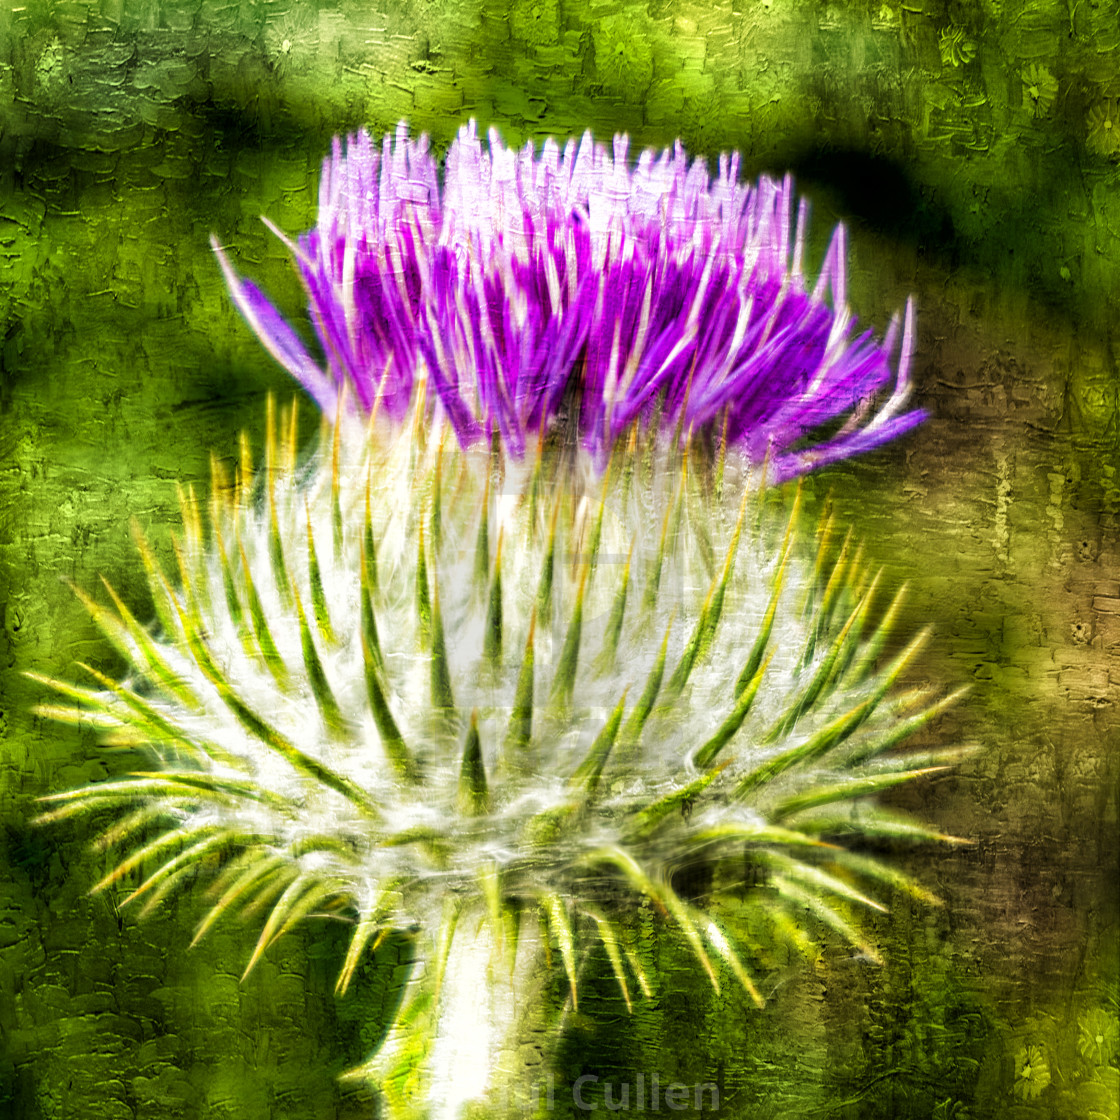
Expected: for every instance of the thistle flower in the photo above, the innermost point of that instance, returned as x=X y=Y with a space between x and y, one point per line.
x=496 y=691
x=532 y=286
x=418 y=686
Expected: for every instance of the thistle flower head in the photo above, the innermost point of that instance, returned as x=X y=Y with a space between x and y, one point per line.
x=442 y=682
x=410 y=676
x=530 y=288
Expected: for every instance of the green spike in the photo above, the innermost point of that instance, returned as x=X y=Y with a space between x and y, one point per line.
x=872 y=868
x=369 y=549
x=679 y=431
x=825 y=530
x=653 y=585
x=864 y=600
x=763 y=640
x=316 y=677
x=158 y=669
x=275 y=542
x=482 y=547
x=535 y=482
x=157 y=582
x=250 y=870
x=289 y=434
x=284 y=906
x=812 y=748
x=296 y=758
x=564 y=681
x=633 y=729
x=266 y=891
x=448 y=927
x=392 y=741
x=587 y=774
x=233 y=601
x=276 y=555
x=721 y=460
x=521 y=716
x=838 y=597
x=902 y=730
x=266 y=733
x=265 y=643
x=126 y=827
x=544 y=590
x=673 y=904
x=335 y=845
x=811 y=875
x=718 y=941
x=649 y=445
x=610 y=944
x=728 y=566
x=752 y=835
x=157 y=726
x=190 y=517
x=558 y=922
x=609 y=654
x=703 y=540
x=492 y=640
x=489 y=881
x=193 y=543
x=635 y=963
x=200 y=780
x=244 y=478
x=186 y=580
x=173 y=838
x=436 y=524
x=688 y=658
x=813 y=689
x=706 y=755
x=511 y=921
x=79 y=717
x=309 y=902
x=117 y=795
x=546 y=828
x=855 y=788
x=869 y=819
x=336 y=480
x=423 y=594
x=167 y=887
x=443 y=699
x=874 y=645
x=318 y=594
x=647 y=820
x=368 y=932
x=190 y=857
x=626 y=474
x=825 y=914
x=674 y=537
x=474 y=796
x=94 y=700
x=220 y=504
x=840 y=570
x=592 y=551
x=370 y=639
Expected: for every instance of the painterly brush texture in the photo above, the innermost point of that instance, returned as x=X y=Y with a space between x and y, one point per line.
x=500 y=690
x=409 y=684
x=529 y=283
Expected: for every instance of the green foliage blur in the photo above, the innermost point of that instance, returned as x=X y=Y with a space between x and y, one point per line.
x=974 y=150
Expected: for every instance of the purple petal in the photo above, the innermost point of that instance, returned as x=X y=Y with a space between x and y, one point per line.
x=527 y=279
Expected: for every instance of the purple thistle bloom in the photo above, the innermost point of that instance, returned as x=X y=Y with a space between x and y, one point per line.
x=534 y=283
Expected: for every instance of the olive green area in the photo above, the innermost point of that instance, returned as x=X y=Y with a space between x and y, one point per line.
x=974 y=148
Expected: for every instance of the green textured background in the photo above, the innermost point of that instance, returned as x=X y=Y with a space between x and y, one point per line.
x=973 y=147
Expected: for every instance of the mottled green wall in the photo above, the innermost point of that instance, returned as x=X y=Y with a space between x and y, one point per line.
x=975 y=149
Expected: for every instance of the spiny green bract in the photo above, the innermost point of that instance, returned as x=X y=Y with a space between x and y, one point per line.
x=406 y=676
